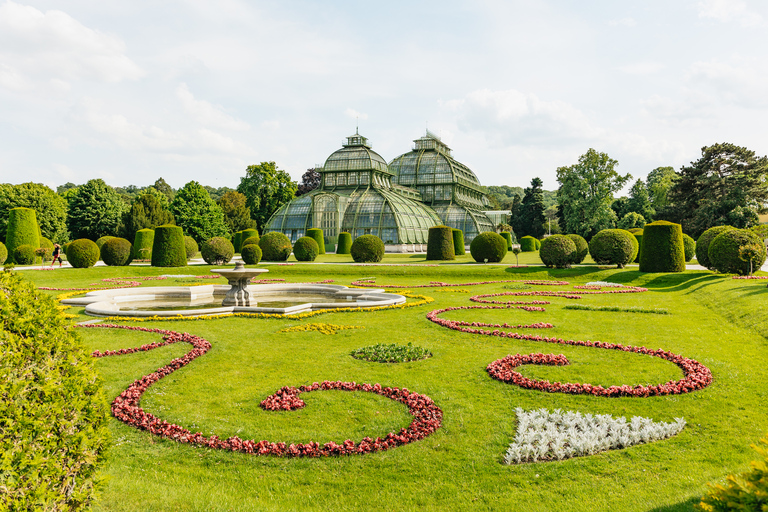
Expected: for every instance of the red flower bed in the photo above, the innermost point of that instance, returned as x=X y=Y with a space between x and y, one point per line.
x=369 y=283
x=427 y=415
x=564 y=294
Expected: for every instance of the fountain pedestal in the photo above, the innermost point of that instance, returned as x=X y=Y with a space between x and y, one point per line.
x=239 y=278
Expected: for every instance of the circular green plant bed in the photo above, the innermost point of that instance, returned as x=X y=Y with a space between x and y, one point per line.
x=306 y=249
x=367 y=249
x=392 y=353
x=488 y=247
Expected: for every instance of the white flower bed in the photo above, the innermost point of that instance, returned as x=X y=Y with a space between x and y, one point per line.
x=542 y=436
x=603 y=284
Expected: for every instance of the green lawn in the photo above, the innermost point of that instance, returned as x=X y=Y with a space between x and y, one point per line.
x=719 y=321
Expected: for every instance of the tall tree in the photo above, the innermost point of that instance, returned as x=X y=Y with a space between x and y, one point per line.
x=50 y=208
x=266 y=188
x=197 y=214
x=236 y=214
x=310 y=180
x=165 y=188
x=146 y=212
x=586 y=193
x=95 y=210
x=532 y=210
x=640 y=201
x=728 y=185
x=515 y=210
x=659 y=181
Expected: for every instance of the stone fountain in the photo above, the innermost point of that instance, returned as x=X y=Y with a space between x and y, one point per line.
x=239 y=278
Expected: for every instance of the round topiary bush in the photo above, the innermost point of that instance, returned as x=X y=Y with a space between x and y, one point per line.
x=251 y=254
x=488 y=247
x=458 y=242
x=116 y=252
x=306 y=249
x=440 y=244
x=634 y=231
x=82 y=253
x=24 y=255
x=217 y=251
x=142 y=244
x=275 y=246
x=53 y=415
x=663 y=249
x=317 y=234
x=538 y=243
x=582 y=248
x=245 y=235
x=613 y=247
x=3 y=253
x=737 y=251
x=345 y=243
x=22 y=229
x=689 y=245
x=168 y=247
x=367 y=249
x=508 y=237
x=528 y=244
x=251 y=240
x=45 y=243
x=702 y=245
x=557 y=251
x=190 y=247
x=101 y=241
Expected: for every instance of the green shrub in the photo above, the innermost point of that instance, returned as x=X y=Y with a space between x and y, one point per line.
x=3 y=253
x=663 y=249
x=168 y=247
x=22 y=230
x=317 y=234
x=391 y=353
x=761 y=230
x=245 y=235
x=458 y=242
x=46 y=243
x=237 y=241
x=367 y=249
x=275 y=246
x=217 y=251
x=24 y=255
x=508 y=237
x=345 y=243
x=538 y=243
x=116 y=252
x=142 y=244
x=582 y=248
x=558 y=251
x=306 y=249
x=635 y=230
x=251 y=254
x=488 y=247
x=82 y=253
x=440 y=244
x=639 y=237
x=689 y=245
x=251 y=240
x=53 y=415
x=190 y=247
x=726 y=252
x=631 y=220
x=528 y=244
x=613 y=247
x=702 y=245
x=104 y=239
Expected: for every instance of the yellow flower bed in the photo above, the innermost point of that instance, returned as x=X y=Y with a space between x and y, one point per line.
x=323 y=328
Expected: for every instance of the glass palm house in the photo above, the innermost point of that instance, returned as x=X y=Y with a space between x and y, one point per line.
x=362 y=195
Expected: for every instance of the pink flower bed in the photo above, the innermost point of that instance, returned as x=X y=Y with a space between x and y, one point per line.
x=564 y=294
x=369 y=283
x=750 y=277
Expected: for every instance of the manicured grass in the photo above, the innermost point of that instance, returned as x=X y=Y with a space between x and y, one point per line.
x=716 y=320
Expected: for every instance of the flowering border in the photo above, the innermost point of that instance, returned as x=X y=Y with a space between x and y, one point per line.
x=369 y=283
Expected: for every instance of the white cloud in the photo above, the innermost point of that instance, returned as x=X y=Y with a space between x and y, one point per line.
x=354 y=114
x=729 y=10
x=206 y=113
x=642 y=68
x=623 y=22
x=738 y=81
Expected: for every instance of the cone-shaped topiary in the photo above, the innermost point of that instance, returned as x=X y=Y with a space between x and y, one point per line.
x=190 y=247
x=737 y=251
x=508 y=237
x=3 y=253
x=582 y=248
x=142 y=244
x=306 y=249
x=689 y=245
x=24 y=255
x=217 y=251
x=22 y=230
x=488 y=247
x=440 y=243
x=557 y=251
x=245 y=235
x=168 y=247
x=116 y=252
x=317 y=234
x=458 y=242
x=663 y=249
x=82 y=253
x=528 y=244
x=251 y=254
x=367 y=249
x=275 y=246
x=702 y=245
x=345 y=243
x=613 y=247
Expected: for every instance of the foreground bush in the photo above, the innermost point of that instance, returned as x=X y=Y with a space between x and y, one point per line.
x=22 y=230
x=528 y=244
x=251 y=254
x=689 y=246
x=116 y=252
x=558 y=251
x=702 y=245
x=488 y=247
x=275 y=246
x=3 y=253
x=458 y=242
x=440 y=244
x=168 y=247
x=737 y=251
x=190 y=247
x=53 y=415
x=142 y=244
x=663 y=249
x=367 y=249
x=345 y=243
x=82 y=253
x=613 y=247
x=217 y=251
x=317 y=235
x=306 y=248
x=582 y=248
x=24 y=255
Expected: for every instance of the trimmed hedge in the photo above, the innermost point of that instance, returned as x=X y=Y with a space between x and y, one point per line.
x=702 y=245
x=245 y=235
x=24 y=255
x=634 y=231
x=613 y=247
x=639 y=237
x=168 y=247
x=345 y=243
x=558 y=251
x=538 y=243
x=116 y=252
x=306 y=248
x=725 y=254
x=528 y=244
x=190 y=247
x=82 y=253
x=367 y=249
x=104 y=239
x=663 y=249
x=458 y=242
x=22 y=229
x=275 y=246
x=251 y=254
x=3 y=253
x=440 y=244
x=488 y=247
x=317 y=235
x=142 y=244
x=582 y=248
x=217 y=251
x=689 y=246
x=237 y=241
x=508 y=237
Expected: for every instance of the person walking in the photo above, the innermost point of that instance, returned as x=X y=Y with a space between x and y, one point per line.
x=56 y=254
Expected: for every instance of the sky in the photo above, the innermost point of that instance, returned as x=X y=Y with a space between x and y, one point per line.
x=197 y=90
